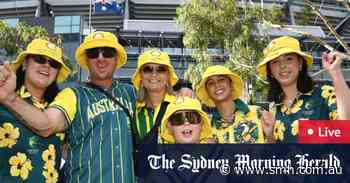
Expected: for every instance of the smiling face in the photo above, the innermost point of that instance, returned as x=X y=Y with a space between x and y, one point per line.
x=39 y=75
x=101 y=65
x=186 y=129
x=285 y=69
x=219 y=88
x=154 y=77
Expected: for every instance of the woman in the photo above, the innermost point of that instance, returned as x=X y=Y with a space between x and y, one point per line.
x=24 y=155
x=186 y=123
x=153 y=78
x=233 y=120
x=295 y=94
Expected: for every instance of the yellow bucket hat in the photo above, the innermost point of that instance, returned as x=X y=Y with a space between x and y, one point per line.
x=281 y=46
x=236 y=83
x=45 y=48
x=185 y=103
x=157 y=57
x=100 y=39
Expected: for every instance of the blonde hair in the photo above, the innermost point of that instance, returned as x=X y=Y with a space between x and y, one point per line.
x=142 y=93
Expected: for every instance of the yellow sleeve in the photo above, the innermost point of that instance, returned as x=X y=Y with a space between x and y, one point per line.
x=66 y=101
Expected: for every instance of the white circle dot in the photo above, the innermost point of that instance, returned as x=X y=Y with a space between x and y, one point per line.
x=310 y=131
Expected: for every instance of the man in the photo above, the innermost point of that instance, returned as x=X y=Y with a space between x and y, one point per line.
x=98 y=130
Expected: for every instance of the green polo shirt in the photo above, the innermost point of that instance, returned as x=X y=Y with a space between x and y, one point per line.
x=99 y=134
x=24 y=155
x=318 y=104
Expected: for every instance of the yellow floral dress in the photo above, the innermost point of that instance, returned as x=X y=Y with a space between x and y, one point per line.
x=318 y=104
x=25 y=156
x=246 y=128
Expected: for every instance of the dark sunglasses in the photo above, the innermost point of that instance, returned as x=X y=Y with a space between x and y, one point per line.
x=150 y=69
x=107 y=52
x=42 y=60
x=180 y=118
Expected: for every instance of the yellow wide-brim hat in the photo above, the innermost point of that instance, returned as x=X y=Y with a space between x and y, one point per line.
x=280 y=46
x=236 y=84
x=181 y=104
x=48 y=49
x=153 y=56
x=100 y=39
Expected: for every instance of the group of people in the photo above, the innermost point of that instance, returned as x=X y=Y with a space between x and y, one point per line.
x=103 y=120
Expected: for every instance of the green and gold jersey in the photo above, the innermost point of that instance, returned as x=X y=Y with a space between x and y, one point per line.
x=318 y=104
x=24 y=155
x=99 y=134
x=246 y=127
x=146 y=116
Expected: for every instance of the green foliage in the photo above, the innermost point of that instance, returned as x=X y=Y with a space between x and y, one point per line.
x=14 y=39
x=223 y=24
x=306 y=16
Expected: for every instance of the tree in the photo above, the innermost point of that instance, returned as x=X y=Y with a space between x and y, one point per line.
x=225 y=25
x=15 y=39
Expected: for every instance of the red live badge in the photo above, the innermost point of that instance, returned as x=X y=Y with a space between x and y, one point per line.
x=324 y=131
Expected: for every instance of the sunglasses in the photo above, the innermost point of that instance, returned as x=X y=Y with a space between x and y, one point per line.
x=150 y=69
x=39 y=59
x=107 y=52
x=180 y=118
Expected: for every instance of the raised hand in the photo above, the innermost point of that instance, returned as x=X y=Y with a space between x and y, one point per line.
x=268 y=122
x=332 y=62
x=7 y=82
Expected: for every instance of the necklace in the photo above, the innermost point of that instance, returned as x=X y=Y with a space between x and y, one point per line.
x=226 y=121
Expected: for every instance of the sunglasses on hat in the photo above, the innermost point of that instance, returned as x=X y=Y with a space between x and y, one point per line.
x=107 y=52
x=158 y=69
x=179 y=118
x=39 y=59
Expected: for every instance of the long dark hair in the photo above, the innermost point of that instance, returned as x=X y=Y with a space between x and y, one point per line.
x=304 y=84
x=50 y=92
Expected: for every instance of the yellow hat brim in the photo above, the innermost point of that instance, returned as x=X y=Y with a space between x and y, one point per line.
x=236 y=84
x=262 y=70
x=206 y=129
x=81 y=58
x=63 y=73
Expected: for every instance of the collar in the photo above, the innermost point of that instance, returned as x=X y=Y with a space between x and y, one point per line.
x=168 y=98
x=25 y=94
x=240 y=106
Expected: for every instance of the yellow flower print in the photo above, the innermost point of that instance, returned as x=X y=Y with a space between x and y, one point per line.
x=49 y=154
x=8 y=135
x=327 y=91
x=278 y=130
x=284 y=109
x=295 y=127
x=297 y=106
x=51 y=175
x=333 y=115
x=60 y=136
x=20 y=166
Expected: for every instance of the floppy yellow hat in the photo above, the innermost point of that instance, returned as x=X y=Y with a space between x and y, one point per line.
x=185 y=103
x=278 y=47
x=157 y=57
x=100 y=39
x=45 y=48
x=236 y=83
